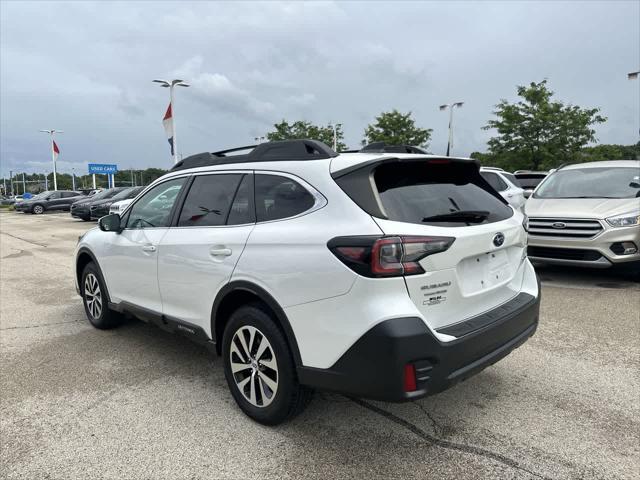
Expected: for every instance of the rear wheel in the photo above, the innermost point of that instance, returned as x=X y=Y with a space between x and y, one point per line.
x=38 y=209
x=95 y=299
x=259 y=367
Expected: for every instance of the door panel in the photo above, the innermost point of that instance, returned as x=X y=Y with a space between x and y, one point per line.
x=131 y=267
x=132 y=255
x=197 y=257
x=194 y=263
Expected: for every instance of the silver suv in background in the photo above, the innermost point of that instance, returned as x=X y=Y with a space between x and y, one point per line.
x=587 y=215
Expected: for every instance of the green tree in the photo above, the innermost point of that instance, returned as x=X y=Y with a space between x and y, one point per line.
x=303 y=129
x=537 y=132
x=397 y=128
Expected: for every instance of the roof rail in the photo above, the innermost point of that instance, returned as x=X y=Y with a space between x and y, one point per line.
x=382 y=147
x=285 y=150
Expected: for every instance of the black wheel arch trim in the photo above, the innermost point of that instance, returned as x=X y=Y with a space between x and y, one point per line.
x=262 y=294
x=85 y=250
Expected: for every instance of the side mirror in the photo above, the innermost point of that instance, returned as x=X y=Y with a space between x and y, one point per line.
x=110 y=223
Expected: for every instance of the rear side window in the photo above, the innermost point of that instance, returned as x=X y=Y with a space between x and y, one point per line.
x=209 y=200
x=494 y=180
x=280 y=197
x=437 y=194
x=512 y=178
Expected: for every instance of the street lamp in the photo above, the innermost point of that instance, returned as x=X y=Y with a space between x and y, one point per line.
x=259 y=140
x=53 y=155
x=450 y=106
x=170 y=84
x=335 y=127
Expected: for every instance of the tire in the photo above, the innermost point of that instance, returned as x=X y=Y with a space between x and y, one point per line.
x=277 y=395
x=37 y=209
x=95 y=299
x=86 y=219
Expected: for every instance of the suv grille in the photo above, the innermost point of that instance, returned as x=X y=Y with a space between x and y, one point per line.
x=562 y=227
x=563 y=253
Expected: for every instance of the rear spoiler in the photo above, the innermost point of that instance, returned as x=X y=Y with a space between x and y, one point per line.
x=375 y=162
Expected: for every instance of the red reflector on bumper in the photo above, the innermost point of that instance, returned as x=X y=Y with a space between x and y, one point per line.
x=410 y=378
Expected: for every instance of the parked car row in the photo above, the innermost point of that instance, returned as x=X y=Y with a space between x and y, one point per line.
x=85 y=204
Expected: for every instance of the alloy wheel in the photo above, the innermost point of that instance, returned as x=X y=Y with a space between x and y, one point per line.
x=92 y=295
x=38 y=209
x=254 y=366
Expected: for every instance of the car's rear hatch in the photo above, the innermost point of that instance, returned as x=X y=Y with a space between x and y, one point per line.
x=416 y=197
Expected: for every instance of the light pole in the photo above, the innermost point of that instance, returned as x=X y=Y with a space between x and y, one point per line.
x=633 y=76
x=73 y=178
x=335 y=127
x=258 y=140
x=53 y=155
x=170 y=85
x=450 y=106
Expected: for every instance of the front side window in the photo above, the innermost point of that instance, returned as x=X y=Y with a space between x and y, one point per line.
x=596 y=182
x=209 y=200
x=54 y=196
x=155 y=206
x=280 y=197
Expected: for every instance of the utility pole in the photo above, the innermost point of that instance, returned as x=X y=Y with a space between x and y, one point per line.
x=171 y=113
x=450 y=106
x=54 y=154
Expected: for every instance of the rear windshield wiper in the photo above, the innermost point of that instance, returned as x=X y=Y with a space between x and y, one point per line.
x=472 y=216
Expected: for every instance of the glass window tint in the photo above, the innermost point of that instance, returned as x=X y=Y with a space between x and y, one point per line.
x=209 y=199
x=512 y=178
x=414 y=192
x=154 y=208
x=494 y=180
x=280 y=197
x=242 y=210
x=55 y=196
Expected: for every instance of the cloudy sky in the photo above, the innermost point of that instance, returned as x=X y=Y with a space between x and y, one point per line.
x=86 y=68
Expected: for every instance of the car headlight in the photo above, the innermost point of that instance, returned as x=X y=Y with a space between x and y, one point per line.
x=630 y=219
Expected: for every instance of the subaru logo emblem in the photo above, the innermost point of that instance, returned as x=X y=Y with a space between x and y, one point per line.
x=558 y=225
x=498 y=239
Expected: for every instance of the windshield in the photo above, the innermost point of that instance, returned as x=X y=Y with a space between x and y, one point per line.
x=592 y=183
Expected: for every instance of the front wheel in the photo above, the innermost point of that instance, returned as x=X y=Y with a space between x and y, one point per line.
x=95 y=299
x=259 y=368
x=38 y=209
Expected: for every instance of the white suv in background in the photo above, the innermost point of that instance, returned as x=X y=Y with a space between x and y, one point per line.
x=506 y=184
x=380 y=275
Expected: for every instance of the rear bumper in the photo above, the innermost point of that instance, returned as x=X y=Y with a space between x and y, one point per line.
x=374 y=366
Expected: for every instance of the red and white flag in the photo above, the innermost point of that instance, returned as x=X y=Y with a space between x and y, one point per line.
x=167 y=121
x=56 y=151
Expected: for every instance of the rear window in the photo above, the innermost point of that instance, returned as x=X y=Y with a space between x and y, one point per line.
x=428 y=194
x=494 y=180
x=529 y=181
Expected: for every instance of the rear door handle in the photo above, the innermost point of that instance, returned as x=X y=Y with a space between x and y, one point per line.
x=220 y=252
x=149 y=248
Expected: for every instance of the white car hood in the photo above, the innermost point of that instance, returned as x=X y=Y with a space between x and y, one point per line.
x=579 y=207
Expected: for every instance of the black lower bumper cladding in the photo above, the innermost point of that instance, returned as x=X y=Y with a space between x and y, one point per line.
x=374 y=366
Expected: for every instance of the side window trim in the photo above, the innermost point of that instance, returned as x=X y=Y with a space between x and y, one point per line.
x=179 y=204
x=252 y=204
x=319 y=199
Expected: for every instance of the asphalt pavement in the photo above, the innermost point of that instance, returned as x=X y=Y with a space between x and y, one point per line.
x=137 y=402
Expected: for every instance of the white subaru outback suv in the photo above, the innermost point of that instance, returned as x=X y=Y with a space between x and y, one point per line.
x=380 y=275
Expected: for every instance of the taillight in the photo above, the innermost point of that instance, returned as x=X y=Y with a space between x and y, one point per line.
x=394 y=256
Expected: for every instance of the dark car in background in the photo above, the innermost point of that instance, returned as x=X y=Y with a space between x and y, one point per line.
x=49 y=200
x=529 y=180
x=81 y=208
x=100 y=208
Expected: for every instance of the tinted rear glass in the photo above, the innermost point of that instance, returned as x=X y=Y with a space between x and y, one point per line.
x=494 y=180
x=415 y=191
x=280 y=197
x=529 y=180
